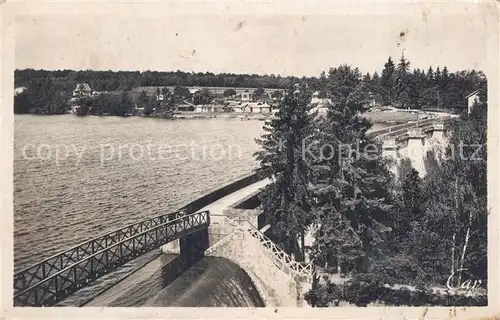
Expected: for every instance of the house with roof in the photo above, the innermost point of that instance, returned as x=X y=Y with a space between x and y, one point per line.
x=244 y=96
x=319 y=104
x=82 y=90
x=210 y=108
x=472 y=99
x=238 y=108
x=256 y=107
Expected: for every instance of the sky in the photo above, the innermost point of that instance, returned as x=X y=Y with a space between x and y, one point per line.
x=285 y=44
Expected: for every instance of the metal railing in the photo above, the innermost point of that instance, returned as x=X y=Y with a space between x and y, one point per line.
x=53 y=279
x=280 y=258
x=403 y=128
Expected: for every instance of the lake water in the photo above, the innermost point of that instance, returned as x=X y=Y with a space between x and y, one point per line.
x=76 y=178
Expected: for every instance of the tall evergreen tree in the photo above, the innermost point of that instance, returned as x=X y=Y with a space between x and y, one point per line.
x=124 y=106
x=286 y=201
x=411 y=192
x=387 y=81
x=403 y=85
x=143 y=100
x=430 y=75
x=350 y=186
x=100 y=105
x=151 y=106
x=375 y=87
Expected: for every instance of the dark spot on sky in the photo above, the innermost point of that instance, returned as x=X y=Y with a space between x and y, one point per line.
x=193 y=52
x=402 y=36
x=176 y=34
x=275 y=310
x=424 y=16
x=240 y=25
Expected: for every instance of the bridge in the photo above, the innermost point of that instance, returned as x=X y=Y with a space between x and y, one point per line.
x=55 y=278
x=186 y=232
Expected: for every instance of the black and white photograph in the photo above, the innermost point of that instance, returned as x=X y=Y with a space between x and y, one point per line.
x=329 y=159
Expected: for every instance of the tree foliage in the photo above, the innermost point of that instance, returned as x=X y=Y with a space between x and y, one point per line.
x=43 y=96
x=286 y=201
x=350 y=186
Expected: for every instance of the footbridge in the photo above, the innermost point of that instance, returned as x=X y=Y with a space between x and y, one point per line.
x=57 y=277
x=201 y=228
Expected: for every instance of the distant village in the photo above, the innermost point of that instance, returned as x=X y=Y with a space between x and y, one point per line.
x=228 y=95
x=221 y=99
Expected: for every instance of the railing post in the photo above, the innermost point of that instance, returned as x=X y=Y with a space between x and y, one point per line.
x=56 y=284
x=35 y=295
x=75 y=278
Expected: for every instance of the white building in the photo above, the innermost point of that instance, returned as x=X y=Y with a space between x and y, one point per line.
x=244 y=96
x=256 y=107
x=472 y=98
x=82 y=90
x=210 y=108
x=319 y=104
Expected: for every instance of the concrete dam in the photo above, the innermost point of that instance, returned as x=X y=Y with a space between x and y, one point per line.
x=211 y=282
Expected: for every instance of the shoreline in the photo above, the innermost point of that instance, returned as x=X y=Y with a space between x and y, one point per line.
x=191 y=115
x=221 y=115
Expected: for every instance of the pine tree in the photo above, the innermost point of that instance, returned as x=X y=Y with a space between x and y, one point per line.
x=286 y=201
x=430 y=76
x=124 y=105
x=143 y=100
x=437 y=86
x=411 y=191
x=151 y=106
x=403 y=85
x=418 y=89
x=429 y=90
x=375 y=87
x=387 y=82
x=348 y=184
x=100 y=105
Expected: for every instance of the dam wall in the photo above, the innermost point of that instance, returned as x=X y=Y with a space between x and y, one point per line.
x=277 y=288
x=220 y=192
x=423 y=147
